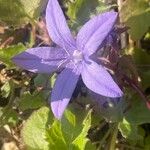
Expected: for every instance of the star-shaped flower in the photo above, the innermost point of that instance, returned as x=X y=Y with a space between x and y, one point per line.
x=72 y=55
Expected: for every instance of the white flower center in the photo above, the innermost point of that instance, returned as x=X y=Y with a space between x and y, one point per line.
x=77 y=56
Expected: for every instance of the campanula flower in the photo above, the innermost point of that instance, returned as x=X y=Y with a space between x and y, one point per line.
x=73 y=56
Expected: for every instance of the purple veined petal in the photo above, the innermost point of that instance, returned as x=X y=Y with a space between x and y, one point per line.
x=57 y=26
x=94 y=32
x=97 y=79
x=63 y=90
x=41 y=59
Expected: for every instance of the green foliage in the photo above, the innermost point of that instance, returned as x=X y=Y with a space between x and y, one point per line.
x=19 y=12
x=139 y=54
x=35 y=130
x=147 y=143
x=8 y=116
x=42 y=80
x=129 y=131
x=139 y=113
x=81 y=11
x=31 y=101
x=34 y=8
x=11 y=12
x=136 y=15
x=5 y=90
x=7 y=53
x=42 y=132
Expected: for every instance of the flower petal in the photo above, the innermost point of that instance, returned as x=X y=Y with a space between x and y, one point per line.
x=97 y=79
x=41 y=59
x=57 y=26
x=94 y=32
x=63 y=90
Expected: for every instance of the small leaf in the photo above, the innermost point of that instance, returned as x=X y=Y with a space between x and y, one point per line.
x=31 y=101
x=129 y=131
x=42 y=80
x=8 y=117
x=5 y=90
x=6 y=54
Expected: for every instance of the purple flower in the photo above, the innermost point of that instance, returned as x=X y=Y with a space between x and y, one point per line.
x=73 y=56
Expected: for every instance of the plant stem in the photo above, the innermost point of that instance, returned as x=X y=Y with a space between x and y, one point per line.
x=104 y=138
x=114 y=137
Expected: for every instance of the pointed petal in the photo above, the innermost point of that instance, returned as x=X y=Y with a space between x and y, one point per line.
x=97 y=79
x=94 y=32
x=63 y=90
x=57 y=26
x=40 y=59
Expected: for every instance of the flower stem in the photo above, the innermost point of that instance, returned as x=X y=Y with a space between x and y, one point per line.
x=114 y=137
x=104 y=138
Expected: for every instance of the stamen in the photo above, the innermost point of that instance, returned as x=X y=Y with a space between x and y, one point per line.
x=77 y=56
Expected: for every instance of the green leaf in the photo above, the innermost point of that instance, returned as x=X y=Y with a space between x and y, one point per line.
x=19 y=12
x=5 y=90
x=81 y=140
x=34 y=131
x=34 y=8
x=129 y=131
x=11 y=12
x=138 y=113
x=136 y=15
x=145 y=76
x=6 y=54
x=31 y=101
x=42 y=80
x=68 y=133
x=147 y=143
x=139 y=54
x=81 y=11
x=8 y=116
x=55 y=137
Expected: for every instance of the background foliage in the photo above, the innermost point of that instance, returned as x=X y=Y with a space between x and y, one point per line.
x=25 y=116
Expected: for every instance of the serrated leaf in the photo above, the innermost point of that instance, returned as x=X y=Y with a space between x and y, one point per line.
x=129 y=131
x=136 y=15
x=81 y=141
x=63 y=134
x=31 y=101
x=55 y=137
x=7 y=53
x=34 y=130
